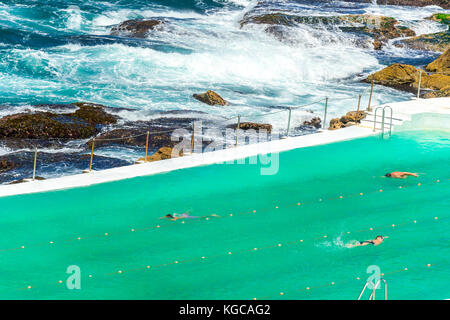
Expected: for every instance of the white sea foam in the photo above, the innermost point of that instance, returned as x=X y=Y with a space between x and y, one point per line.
x=248 y=67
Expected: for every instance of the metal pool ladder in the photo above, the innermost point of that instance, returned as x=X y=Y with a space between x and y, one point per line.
x=372 y=295
x=383 y=117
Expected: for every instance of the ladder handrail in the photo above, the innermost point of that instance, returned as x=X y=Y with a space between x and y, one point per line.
x=363 y=289
x=372 y=295
x=390 y=123
x=383 y=116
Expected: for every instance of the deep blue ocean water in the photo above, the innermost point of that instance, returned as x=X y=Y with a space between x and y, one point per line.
x=62 y=51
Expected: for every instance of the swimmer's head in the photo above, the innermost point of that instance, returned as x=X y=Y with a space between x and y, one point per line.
x=388 y=175
x=379 y=238
x=169 y=216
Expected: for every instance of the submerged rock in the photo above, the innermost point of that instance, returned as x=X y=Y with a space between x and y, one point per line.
x=380 y=28
x=315 y=122
x=131 y=137
x=53 y=163
x=26 y=180
x=252 y=126
x=210 y=97
x=6 y=165
x=136 y=28
x=412 y=3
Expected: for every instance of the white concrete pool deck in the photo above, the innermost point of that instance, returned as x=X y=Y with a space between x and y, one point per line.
x=402 y=110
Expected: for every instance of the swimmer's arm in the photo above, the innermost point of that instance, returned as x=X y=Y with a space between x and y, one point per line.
x=409 y=174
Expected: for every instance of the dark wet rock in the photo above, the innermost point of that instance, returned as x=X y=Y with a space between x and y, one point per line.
x=136 y=28
x=131 y=137
x=380 y=28
x=252 y=126
x=210 y=97
x=19 y=143
x=412 y=3
x=44 y=125
x=439 y=41
x=6 y=165
x=81 y=124
x=26 y=180
x=315 y=122
x=94 y=114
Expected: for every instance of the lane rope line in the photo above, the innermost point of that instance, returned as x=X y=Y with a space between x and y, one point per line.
x=225 y=253
x=203 y=219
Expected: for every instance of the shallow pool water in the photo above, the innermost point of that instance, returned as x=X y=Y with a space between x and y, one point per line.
x=215 y=258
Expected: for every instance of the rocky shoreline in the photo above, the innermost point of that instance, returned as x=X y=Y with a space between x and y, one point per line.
x=434 y=78
x=75 y=125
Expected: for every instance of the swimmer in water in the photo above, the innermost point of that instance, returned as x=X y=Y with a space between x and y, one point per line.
x=377 y=241
x=176 y=216
x=400 y=175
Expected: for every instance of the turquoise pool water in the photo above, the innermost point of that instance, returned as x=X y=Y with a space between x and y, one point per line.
x=103 y=216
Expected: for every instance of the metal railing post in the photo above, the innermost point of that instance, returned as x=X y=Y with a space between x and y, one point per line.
x=193 y=137
x=237 y=130
x=146 y=146
x=325 y=114
x=359 y=101
x=34 y=165
x=370 y=97
x=92 y=155
x=289 y=122
x=419 y=84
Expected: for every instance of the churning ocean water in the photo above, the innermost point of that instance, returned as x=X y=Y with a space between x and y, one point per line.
x=58 y=51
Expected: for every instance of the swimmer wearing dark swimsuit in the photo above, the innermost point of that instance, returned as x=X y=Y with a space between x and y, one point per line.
x=176 y=216
x=363 y=243
x=377 y=241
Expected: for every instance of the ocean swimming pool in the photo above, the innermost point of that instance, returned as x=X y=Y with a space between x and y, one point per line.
x=111 y=230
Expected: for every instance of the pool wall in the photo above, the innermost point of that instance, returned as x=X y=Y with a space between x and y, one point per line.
x=436 y=110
